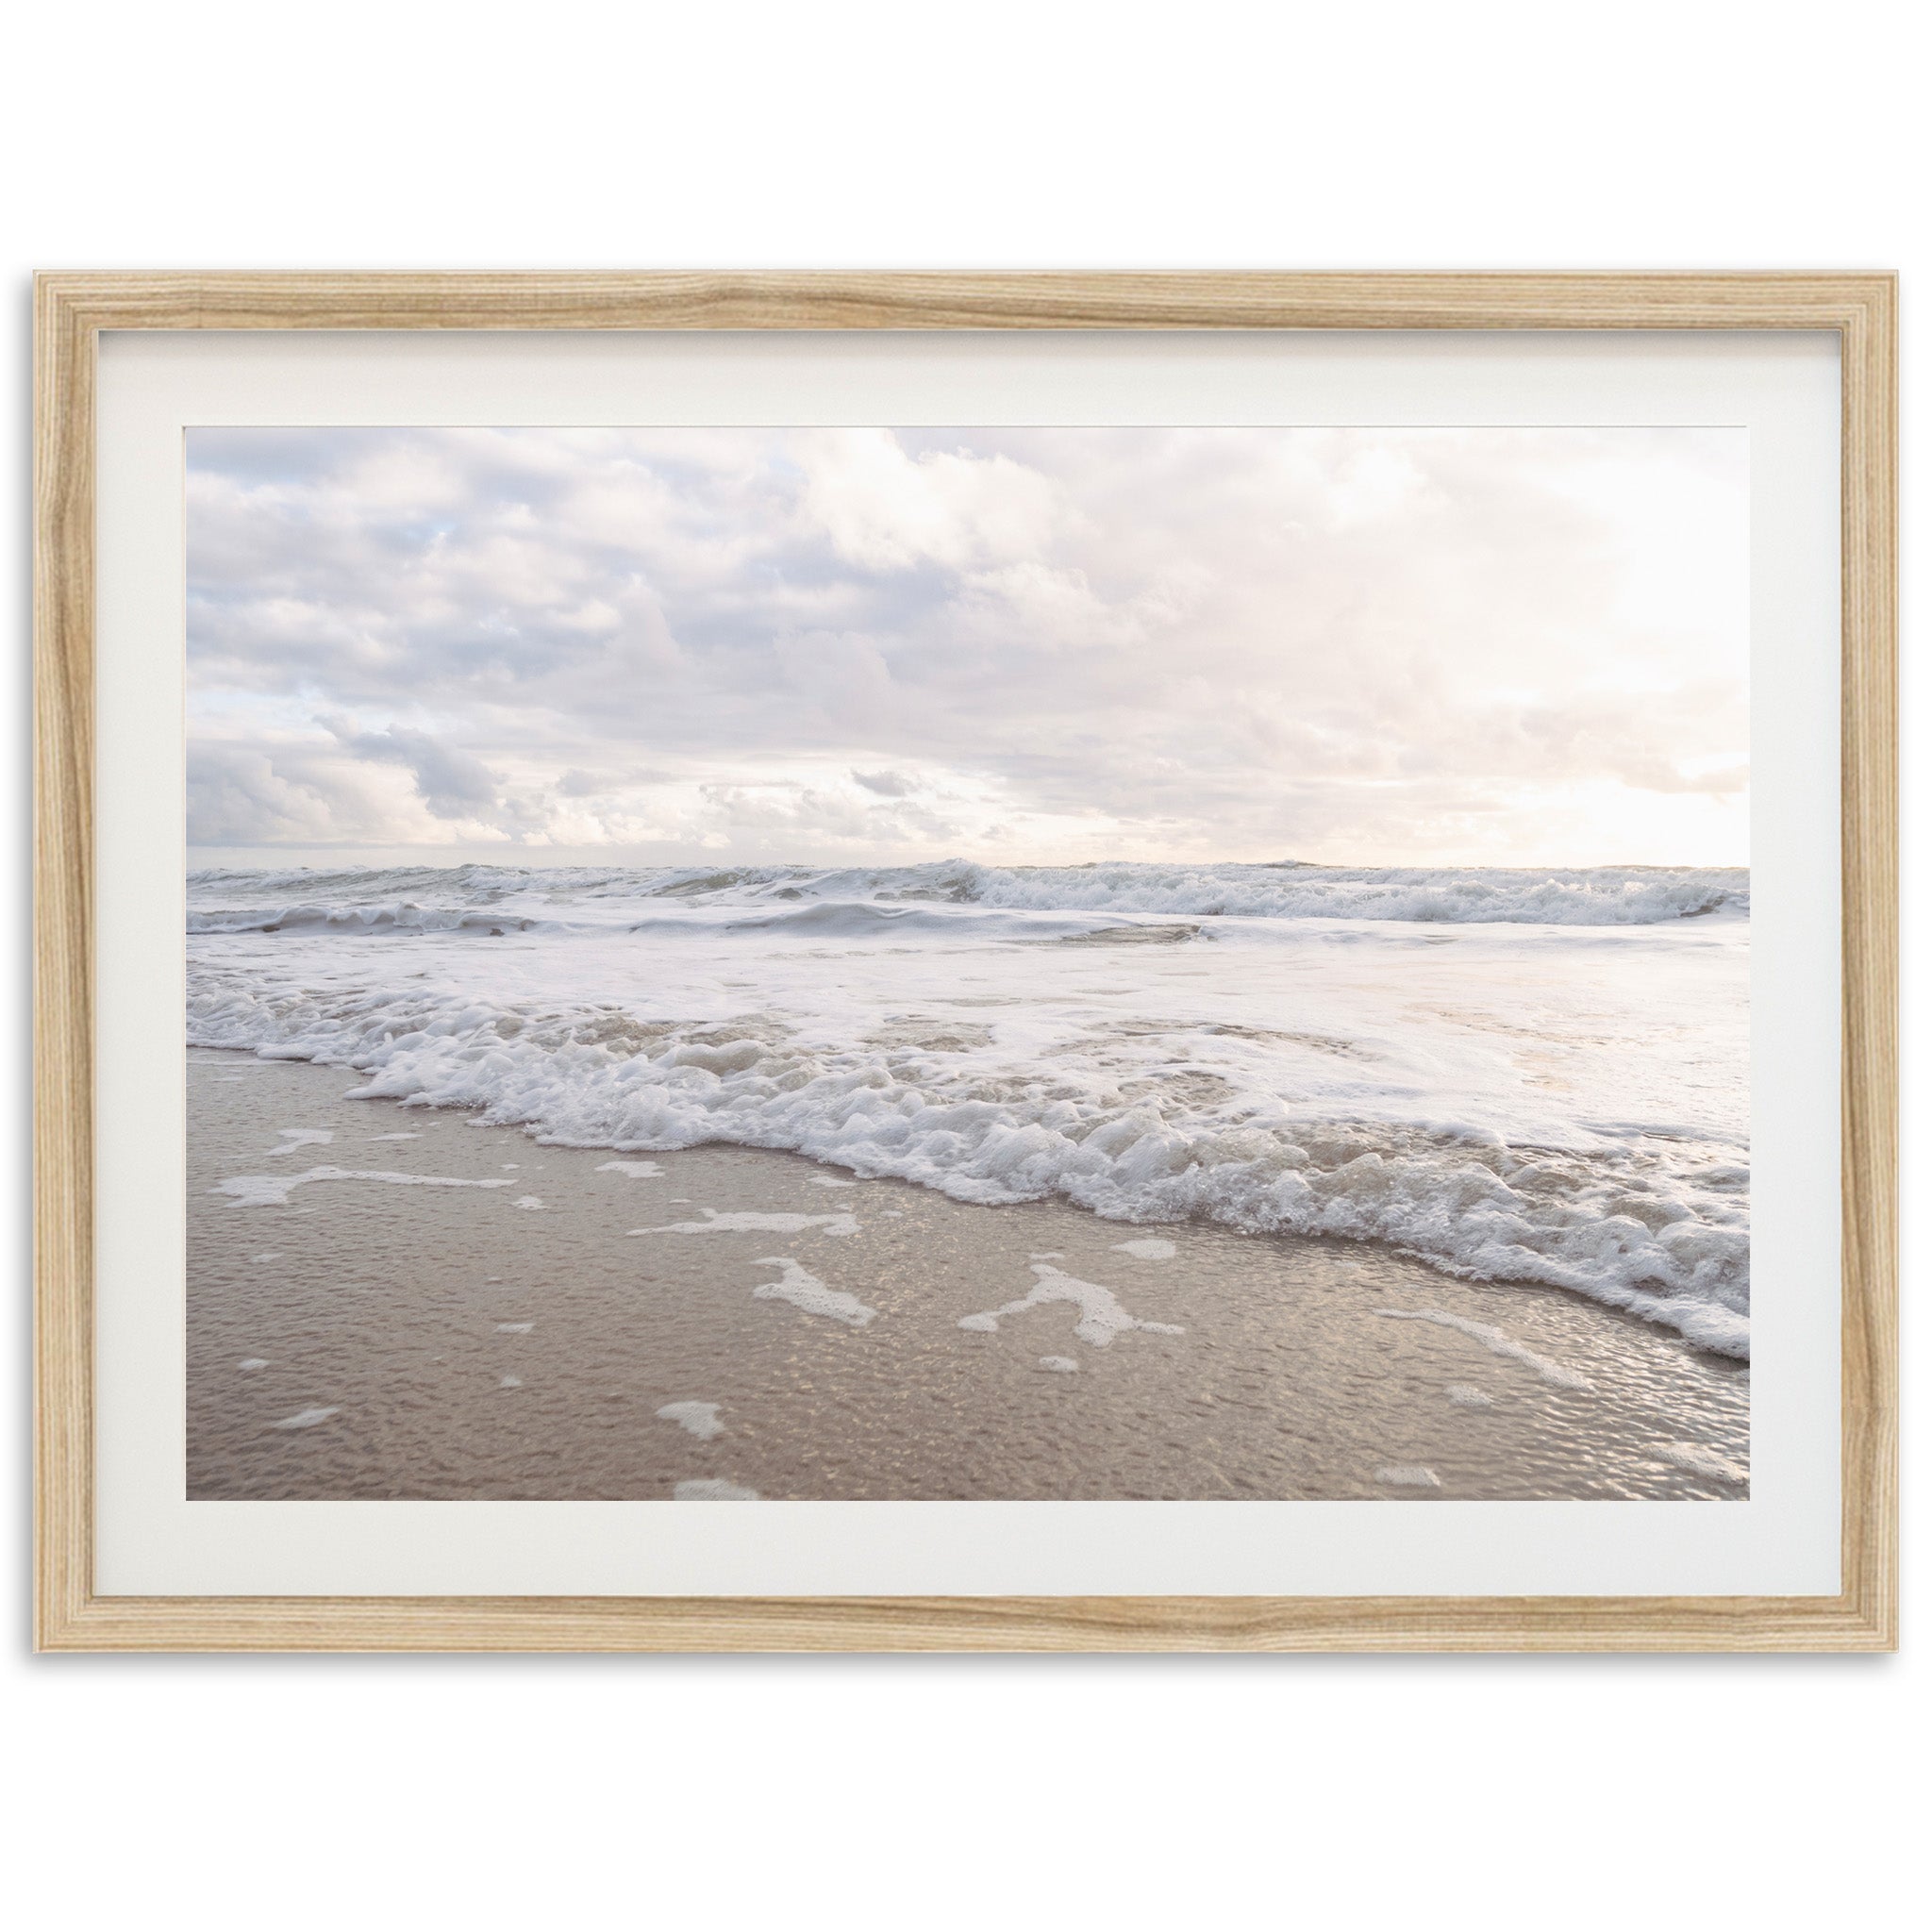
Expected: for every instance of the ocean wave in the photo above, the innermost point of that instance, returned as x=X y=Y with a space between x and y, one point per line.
x=311 y=919
x=1656 y=1226
x=866 y=919
x=815 y=921
x=1605 y=896
x=227 y=900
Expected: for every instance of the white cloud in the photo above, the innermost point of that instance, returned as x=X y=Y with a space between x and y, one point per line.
x=449 y=781
x=887 y=784
x=883 y=507
x=1356 y=645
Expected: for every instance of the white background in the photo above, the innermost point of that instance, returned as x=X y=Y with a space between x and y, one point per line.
x=1336 y=1791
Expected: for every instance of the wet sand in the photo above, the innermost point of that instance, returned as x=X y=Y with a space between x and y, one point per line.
x=374 y=1331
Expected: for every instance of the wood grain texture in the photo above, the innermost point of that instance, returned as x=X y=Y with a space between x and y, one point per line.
x=958 y=1624
x=72 y=310
x=63 y=962
x=850 y=301
x=1869 y=842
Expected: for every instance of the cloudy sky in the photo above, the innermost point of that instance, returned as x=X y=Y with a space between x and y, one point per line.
x=1033 y=645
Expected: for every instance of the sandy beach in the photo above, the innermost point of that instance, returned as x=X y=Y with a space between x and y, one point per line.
x=390 y=1301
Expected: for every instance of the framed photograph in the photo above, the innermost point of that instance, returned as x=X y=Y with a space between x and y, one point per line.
x=1125 y=946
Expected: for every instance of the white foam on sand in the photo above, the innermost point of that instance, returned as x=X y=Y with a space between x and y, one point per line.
x=293 y=1137
x=526 y=1200
x=715 y=1222
x=1059 y=1364
x=711 y=1489
x=808 y=1293
x=1554 y=1373
x=1701 y=1461
x=273 y=1254
x=396 y=1137
x=1410 y=1477
x=699 y=1419
x=273 y=1189
x=636 y=1170
x=515 y=1328
x=253 y=1361
x=1465 y=1396
x=305 y=1419
x=1101 y=1315
x=511 y=1382
x=1149 y=1250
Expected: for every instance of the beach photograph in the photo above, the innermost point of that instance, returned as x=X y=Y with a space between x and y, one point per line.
x=968 y=963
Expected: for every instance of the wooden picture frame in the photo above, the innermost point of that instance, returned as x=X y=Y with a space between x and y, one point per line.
x=73 y=309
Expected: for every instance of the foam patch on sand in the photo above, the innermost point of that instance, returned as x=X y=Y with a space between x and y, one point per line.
x=1059 y=1364
x=1149 y=1250
x=515 y=1328
x=293 y=1137
x=1409 y=1475
x=699 y=1419
x=636 y=1170
x=1465 y=1396
x=715 y=1222
x=713 y=1489
x=511 y=1382
x=530 y=1201
x=305 y=1418
x=808 y=1293
x=1554 y=1373
x=253 y=1361
x=273 y=1189
x=273 y=1254
x=1701 y=1461
x=1101 y=1315
x=396 y=1137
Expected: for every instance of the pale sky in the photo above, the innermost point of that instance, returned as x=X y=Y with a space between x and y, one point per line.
x=1403 y=647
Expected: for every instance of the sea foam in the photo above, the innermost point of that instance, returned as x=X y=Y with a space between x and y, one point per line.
x=1534 y=1077
x=1102 y=1317
x=807 y=1292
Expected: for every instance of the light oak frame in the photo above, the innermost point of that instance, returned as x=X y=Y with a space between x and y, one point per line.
x=70 y=311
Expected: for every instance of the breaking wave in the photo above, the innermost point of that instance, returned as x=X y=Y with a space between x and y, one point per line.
x=1653 y=1222
x=423 y=898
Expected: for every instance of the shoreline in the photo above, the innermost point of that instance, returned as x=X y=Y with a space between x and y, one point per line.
x=402 y=1302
